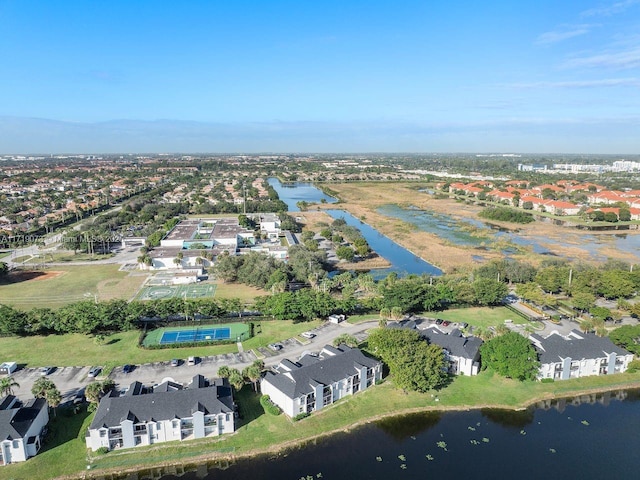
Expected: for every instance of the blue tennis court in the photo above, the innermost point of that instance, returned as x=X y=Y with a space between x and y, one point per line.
x=195 y=335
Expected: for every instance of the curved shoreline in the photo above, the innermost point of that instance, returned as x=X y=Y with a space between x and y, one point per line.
x=287 y=445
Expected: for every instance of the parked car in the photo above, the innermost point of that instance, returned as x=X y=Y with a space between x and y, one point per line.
x=127 y=368
x=193 y=360
x=446 y=323
x=44 y=371
x=94 y=372
x=307 y=334
x=275 y=347
x=464 y=324
x=175 y=362
x=439 y=321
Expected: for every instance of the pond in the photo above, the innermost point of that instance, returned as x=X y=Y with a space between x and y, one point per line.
x=292 y=193
x=589 y=437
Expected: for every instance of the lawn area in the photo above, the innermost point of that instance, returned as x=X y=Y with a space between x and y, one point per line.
x=70 y=284
x=121 y=348
x=479 y=316
x=5 y=254
x=245 y=293
x=270 y=331
x=261 y=432
x=68 y=256
x=355 y=319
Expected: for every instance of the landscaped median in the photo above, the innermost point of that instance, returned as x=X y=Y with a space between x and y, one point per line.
x=261 y=433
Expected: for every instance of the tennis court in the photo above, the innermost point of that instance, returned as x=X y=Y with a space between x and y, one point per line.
x=156 y=292
x=206 y=333
x=195 y=335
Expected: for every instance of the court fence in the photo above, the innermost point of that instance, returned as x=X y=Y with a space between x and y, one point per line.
x=242 y=336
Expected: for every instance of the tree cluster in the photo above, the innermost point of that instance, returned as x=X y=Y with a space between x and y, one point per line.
x=510 y=355
x=413 y=363
x=88 y=317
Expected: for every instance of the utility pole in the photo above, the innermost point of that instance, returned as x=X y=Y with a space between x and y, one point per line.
x=244 y=198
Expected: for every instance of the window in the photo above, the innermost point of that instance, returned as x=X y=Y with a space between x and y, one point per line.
x=176 y=423
x=16 y=444
x=103 y=433
x=158 y=426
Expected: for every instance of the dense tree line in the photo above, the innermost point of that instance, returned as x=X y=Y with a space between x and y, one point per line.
x=88 y=317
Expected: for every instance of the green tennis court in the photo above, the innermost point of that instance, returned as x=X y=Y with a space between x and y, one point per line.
x=201 y=333
x=157 y=292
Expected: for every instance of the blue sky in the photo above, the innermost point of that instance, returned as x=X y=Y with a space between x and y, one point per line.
x=411 y=76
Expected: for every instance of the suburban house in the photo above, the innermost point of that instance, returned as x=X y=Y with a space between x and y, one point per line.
x=313 y=382
x=578 y=355
x=462 y=353
x=167 y=412
x=22 y=427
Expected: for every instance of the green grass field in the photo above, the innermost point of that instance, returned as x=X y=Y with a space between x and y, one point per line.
x=479 y=316
x=236 y=330
x=245 y=293
x=75 y=283
x=122 y=348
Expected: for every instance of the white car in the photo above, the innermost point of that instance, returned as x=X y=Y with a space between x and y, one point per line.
x=308 y=335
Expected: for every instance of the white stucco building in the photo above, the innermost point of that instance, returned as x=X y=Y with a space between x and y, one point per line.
x=578 y=355
x=313 y=382
x=21 y=428
x=165 y=413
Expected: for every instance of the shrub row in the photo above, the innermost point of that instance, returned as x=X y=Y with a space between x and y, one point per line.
x=269 y=406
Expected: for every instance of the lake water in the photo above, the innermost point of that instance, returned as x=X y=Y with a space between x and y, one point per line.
x=402 y=260
x=292 y=193
x=562 y=439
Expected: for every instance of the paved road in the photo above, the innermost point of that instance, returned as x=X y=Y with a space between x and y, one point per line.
x=70 y=380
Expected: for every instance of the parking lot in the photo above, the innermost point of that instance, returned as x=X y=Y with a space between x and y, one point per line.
x=70 y=380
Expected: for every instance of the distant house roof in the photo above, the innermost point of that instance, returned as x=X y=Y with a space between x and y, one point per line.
x=576 y=345
x=166 y=404
x=333 y=364
x=16 y=421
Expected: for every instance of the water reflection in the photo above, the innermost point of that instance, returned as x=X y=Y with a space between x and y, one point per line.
x=399 y=428
x=510 y=418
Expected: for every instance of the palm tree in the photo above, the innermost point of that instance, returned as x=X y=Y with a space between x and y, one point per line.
x=253 y=373
x=7 y=384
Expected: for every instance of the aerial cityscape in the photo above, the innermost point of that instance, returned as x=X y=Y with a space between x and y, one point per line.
x=343 y=240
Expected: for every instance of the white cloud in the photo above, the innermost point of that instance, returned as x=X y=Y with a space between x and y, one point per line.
x=608 y=10
x=607 y=82
x=621 y=60
x=548 y=38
